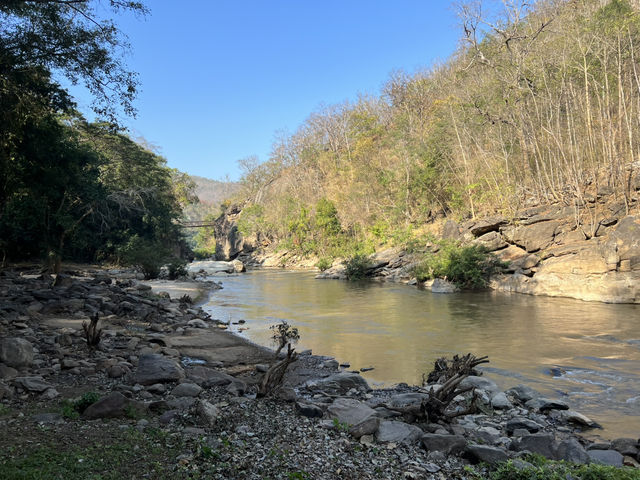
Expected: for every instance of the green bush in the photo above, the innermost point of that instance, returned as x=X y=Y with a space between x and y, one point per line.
x=356 y=267
x=144 y=255
x=177 y=268
x=549 y=470
x=323 y=264
x=466 y=266
x=203 y=253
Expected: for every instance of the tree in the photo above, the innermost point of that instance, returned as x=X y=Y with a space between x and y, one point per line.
x=72 y=38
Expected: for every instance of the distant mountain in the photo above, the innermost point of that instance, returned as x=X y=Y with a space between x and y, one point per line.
x=213 y=192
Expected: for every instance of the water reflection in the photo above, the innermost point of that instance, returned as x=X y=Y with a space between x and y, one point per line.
x=589 y=352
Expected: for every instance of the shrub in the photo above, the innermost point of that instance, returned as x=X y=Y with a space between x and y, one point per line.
x=145 y=255
x=203 y=253
x=356 y=267
x=466 y=266
x=323 y=264
x=550 y=470
x=177 y=268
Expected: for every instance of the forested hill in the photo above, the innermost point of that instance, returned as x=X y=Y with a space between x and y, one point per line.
x=213 y=192
x=540 y=104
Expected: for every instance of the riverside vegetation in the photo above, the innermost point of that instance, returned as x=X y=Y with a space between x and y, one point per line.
x=538 y=106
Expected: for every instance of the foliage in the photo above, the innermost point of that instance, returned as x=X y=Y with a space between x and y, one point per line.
x=523 y=111
x=145 y=255
x=356 y=267
x=73 y=409
x=541 y=469
x=466 y=266
x=177 y=268
x=323 y=264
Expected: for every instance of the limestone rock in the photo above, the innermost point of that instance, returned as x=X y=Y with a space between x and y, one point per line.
x=16 y=352
x=368 y=426
x=606 y=457
x=491 y=241
x=340 y=383
x=500 y=401
x=32 y=384
x=570 y=450
x=540 y=443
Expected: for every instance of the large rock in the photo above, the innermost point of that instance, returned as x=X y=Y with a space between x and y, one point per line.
x=517 y=258
x=350 y=411
x=491 y=241
x=485 y=225
x=211 y=267
x=33 y=384
x=438 y=285
x=229 y=241
x=487 y=454
x=155 y=368
x=540 y=443
x=207 y=412
x=208 y=377
x=626 y=238
x=532 y=237
x=112 y=406
x=570 y=450
x=606 y=457
x=340 y=383
x=519 y=423
x=448 y=444
x=523 y=393
x=368 y=426
x=398 y=432
x=482 y=383
x=16 y=352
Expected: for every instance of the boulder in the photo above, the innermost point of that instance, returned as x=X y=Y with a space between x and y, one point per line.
x=487 y=454
x=309 y=410
x=545 y=404
x=570 y=450
x=491 y=241
x=540 y=443
x=156 y=368
x=522 y=393
x=340 y=383
x=626 y=446
x=485 y=225
x=32 y=384
x=350 y=411
x=112 y=406
x=481 y=383
x=450 y=230
x=500 y=401
x=448 y=444
x=229 y=240
x=532 y=237
x=207 y=412
x=368 y=426
x=208 y=377
x=187 y=390
x=398 y=432
x=522 y=423
x=439 y=285
x=210 y=267
x=16 y=352
x=606 y=457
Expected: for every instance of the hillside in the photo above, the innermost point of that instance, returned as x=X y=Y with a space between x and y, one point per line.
x=539 y=105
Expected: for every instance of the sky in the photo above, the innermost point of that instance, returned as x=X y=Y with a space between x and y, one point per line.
x=221 y=78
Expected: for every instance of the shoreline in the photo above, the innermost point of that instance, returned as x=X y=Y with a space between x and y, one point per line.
x=140 y=367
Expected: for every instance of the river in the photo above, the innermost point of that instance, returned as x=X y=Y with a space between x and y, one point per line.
x=587 y=354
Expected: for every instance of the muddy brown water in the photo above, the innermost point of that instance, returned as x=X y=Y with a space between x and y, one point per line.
x=585 y=353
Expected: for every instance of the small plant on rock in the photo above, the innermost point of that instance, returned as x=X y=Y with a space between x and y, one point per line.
x=356 y=267
x=177 y=268
x=324 y=264
x=283 y=333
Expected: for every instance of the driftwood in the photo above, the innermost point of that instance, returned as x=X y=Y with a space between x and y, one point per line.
x=273 y=377
x=443 y=388
x=91 y=331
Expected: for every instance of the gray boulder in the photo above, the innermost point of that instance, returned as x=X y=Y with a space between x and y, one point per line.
x=480 y=382
x=487 y=454
x=398 y=432
x=207 y=412
x=448 y=444
x=500 y=401
x=16 y=352
x=522 y=423
x=570 y=450
x=545 y=404
x=155 y=368
x=340 y=383
x=187 y=390
x=350 y=411
x=522 y=393
x=32 y=384
x=112 y=406
x=626 y=446
x=540 y=443
x=606 y=457
x=309 y=410
x=368 y=426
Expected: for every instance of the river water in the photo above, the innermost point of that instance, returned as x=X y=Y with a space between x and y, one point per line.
x=585 y=353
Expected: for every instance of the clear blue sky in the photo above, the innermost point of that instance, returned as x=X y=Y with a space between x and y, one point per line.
x=220 y=78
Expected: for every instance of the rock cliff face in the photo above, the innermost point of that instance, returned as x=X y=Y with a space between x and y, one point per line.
x=229 y=241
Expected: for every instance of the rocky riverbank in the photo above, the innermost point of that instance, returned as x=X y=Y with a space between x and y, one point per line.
x=588 y=252
x=167 y=376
